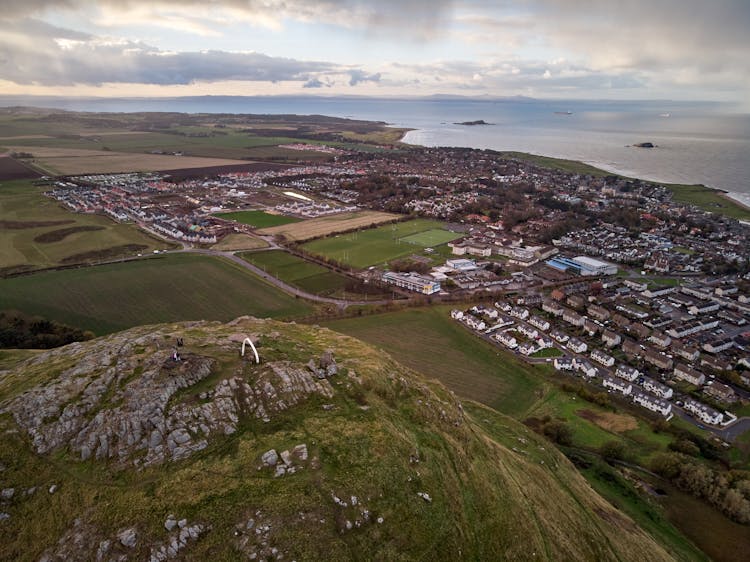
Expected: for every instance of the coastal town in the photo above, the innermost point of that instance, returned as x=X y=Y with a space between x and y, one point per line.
x=606 y=278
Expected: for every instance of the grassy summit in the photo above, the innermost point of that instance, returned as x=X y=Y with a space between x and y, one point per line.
x=329 y=449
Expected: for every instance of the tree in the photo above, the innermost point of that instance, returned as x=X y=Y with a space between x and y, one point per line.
x=559 y=432
x=612 y=451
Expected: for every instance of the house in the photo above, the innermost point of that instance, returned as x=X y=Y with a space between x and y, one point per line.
x=563 y=363
x=506 y=339
x=610 y=338
x=590 y=327
x=715 y=363
x=717 y=346
x=544 y=343
x=539 y=322
x=576 y=301
x=618 y=385
x=627 y=372
x=527 y=348
x=658 y=389
x=658 y=359
x=620 y=321
x=702 y=412
x=652 y=403
x=684 y=373
x=553 y=308
x=703 y=308
x=660 y=339
x=577 y=345
x=721 y=392
x=519 y=312
x=598 y=312
x=559 y=336
x=603 y=358
x=585 y=368
x=457 y=314
x=640 y=331
x=631 y=348
x=572 y=317
x=530 y=333
x=685 y=351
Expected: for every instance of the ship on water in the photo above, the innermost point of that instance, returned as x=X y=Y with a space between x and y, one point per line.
x=563 y=113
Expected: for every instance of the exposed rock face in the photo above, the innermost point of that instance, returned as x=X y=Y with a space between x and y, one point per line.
x=110 y=405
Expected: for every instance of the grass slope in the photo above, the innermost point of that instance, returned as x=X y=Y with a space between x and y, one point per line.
x=510 y=497
x=111 y=297
x=429 y=342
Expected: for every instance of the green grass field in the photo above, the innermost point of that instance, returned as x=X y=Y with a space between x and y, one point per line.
x=257 y=219
x=382 y=244
x=307 y=276
x=22 y=202
x=428 y=341
x=112 y=297
x=432 y=237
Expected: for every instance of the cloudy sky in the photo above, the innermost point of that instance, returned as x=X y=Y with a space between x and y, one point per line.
x=611 y=49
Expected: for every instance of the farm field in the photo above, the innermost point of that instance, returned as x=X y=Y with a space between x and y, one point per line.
x=323 y=226
x=257 y=219
x=75 y=161
x=113 y=297
x=36 y=231
x=12 y=169
x=382 y=244
x=309 y=277
x=237 y=242
x=428 y=341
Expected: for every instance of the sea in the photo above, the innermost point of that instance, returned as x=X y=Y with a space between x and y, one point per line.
x=695 y=142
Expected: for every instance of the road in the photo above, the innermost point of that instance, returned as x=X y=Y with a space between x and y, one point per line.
x=276 y=282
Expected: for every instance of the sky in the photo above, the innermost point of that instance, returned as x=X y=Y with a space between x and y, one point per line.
x=572 y=49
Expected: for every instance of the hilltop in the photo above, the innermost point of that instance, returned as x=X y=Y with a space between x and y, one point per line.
x=329 y=449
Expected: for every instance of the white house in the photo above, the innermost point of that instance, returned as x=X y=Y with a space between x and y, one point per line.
x=658 y=389
x=602 y=358
x=618 y=385
x=564 y=363
x=577 y=345
x=652 y=403
x=688 y=374
x=627 y=372
x=539 y=322
x=702 y=412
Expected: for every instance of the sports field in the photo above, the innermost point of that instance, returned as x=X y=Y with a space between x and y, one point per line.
x=323 y=226
x=113 y=297
x=36 y=231
x=382 y=244
x=257 y=219
x=309 y=277
x=432 y=237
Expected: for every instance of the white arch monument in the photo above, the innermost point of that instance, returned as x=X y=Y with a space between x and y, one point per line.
x=255 y=351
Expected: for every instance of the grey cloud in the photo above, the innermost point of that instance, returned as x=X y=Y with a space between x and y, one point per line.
x=93 y=61
x=421 y=17
x=358 y=76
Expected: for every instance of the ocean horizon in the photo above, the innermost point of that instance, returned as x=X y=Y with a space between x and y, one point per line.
x=695 y=142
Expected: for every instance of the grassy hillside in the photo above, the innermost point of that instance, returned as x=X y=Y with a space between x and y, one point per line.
x=394 y=468
x=112 y=297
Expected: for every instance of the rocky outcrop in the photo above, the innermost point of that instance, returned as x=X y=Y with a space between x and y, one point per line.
x=111 y=405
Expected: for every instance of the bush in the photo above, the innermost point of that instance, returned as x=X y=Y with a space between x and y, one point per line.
x=558 y=431
x=612 y=451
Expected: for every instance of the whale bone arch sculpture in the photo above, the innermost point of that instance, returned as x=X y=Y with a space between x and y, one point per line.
x=255 y=351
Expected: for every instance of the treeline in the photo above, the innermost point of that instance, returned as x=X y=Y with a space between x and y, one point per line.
x=21 y=331
x=728 y=491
